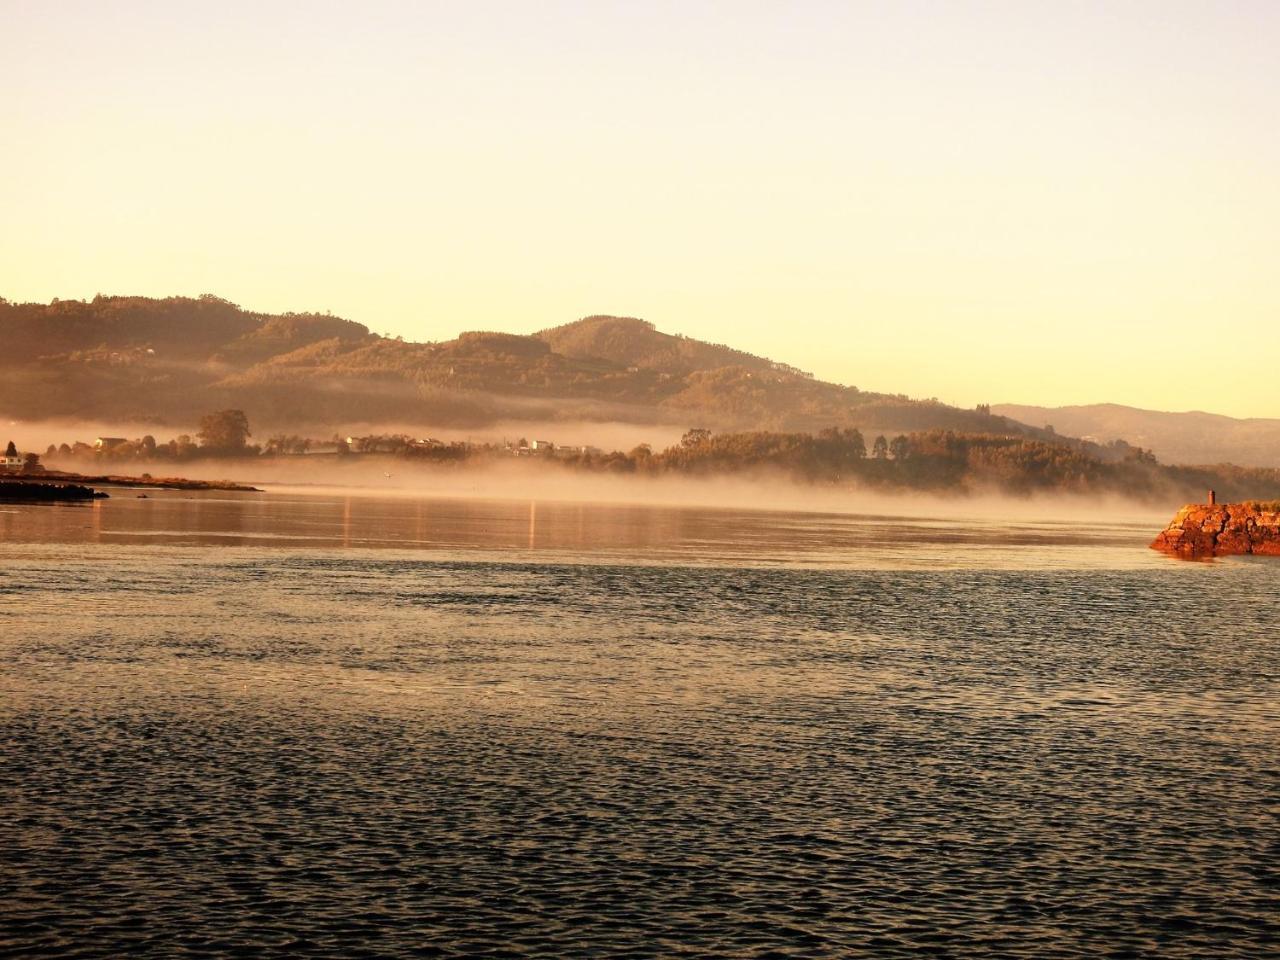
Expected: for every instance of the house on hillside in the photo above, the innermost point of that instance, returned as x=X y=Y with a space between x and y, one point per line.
x=543 y=446
x=12 y=463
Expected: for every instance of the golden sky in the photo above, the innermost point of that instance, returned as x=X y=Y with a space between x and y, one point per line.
x=1036 y=202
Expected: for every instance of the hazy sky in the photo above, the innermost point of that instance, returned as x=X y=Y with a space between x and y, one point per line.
x=1042 y=202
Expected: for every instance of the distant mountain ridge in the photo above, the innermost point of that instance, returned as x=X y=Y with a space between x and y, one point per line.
x=1191 y=437
x=168 y=361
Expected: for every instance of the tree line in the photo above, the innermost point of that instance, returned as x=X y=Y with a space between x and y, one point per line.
x=939 y=461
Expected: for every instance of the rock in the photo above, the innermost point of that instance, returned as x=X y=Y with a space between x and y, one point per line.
x=1219 y=530
x=26 y=491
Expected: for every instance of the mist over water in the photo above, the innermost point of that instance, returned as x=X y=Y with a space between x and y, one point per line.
x=673 y=526
x=326 y=725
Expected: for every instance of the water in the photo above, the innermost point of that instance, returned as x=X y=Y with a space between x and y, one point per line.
x=314 y=726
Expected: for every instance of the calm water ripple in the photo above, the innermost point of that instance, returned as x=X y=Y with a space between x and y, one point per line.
x=256 y=752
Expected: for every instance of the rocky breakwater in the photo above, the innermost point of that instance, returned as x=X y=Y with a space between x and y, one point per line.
x=26 y=491
x=1223 y=529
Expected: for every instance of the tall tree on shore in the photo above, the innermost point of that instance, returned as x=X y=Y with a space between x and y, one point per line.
x=695 y=436
x=225 y=431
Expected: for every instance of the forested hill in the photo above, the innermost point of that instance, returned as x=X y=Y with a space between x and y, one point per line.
x=167 y=361
x=179 y=328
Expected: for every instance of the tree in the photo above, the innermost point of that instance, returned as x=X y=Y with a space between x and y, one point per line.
x=31 y=462
x=11 y=450
x=848 y=442
x=52 y=451
x=900 y=447
x=225 y=431
x=695 y=437
x=857 y=443
x=880 y=449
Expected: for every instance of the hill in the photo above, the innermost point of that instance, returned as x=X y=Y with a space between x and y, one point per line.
x=167 y=361
x=1192 y=437
x=177 y=328
x=629 y=342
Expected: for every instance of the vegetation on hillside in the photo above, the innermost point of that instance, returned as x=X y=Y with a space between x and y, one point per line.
x=165 y=361
x=631 y=342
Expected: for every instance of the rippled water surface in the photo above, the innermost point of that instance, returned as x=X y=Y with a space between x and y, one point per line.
x=290 y=726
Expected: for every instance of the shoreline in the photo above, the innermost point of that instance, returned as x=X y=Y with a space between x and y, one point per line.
x=121 y=480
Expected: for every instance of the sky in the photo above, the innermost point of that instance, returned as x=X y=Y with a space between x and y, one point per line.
x=1032 y=202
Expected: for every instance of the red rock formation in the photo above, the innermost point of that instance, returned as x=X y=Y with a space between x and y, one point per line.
x=1219 y=530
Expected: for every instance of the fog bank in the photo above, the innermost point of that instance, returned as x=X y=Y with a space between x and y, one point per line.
x=545 y=480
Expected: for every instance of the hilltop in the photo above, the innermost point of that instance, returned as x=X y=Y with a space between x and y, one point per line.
x=631 y=342
x=167 y=361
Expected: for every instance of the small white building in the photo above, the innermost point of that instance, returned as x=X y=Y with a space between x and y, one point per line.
x=11 y=463
x=106 y=443
x=543 y=446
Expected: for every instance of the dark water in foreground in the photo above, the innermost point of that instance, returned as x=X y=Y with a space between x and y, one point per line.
x=992 y=741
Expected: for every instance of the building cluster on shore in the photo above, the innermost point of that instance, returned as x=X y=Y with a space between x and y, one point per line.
x=15 y=461
x=185 y=447
x=546 y=448
x=399 y=444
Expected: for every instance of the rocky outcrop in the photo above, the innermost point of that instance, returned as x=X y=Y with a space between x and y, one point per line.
x=1220 y=530
x=25 y=491
x=146 y=480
